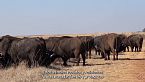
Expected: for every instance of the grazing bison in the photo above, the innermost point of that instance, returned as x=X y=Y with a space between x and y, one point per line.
x=120 y=43
x=105 y=44
x=135 y=41
x=66 y=47
x=32 y=50
x=88 y=42
x=110 y=43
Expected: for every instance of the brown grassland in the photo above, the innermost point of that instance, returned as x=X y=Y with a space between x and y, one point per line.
x=129 y=68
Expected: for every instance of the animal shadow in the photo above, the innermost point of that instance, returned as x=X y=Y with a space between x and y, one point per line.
x=131 y=59
x=98 y=64
x=54 y=67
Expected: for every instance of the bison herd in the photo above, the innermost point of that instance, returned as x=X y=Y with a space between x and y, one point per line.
x=42 y=52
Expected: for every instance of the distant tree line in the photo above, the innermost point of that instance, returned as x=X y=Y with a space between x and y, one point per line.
x=143 y=30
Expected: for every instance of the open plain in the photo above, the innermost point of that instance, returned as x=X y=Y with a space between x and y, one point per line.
x=129 y=68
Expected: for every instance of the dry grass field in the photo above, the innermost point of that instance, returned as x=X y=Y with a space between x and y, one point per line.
x=129 y=68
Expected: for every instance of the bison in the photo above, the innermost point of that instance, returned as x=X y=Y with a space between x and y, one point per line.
x=110 y=43
x=88 y=42
x=135 y=41
x=120 y=43
x=32 y=50
x=66 y=47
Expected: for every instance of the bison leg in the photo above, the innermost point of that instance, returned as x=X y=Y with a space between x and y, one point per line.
x=87 y=56
x=96 y=51
x=102 y=55
x=108 y=54
x=64 y=61
x=16 y=61
x=83 y=57
x=6 y=61
x=77 y=56
x=128 y=48
x=99 y=53
x=116 y=55
x=90 y=54
x=124 y=49
x=78 y=61
x=105 y=56
x=135 y=49
x=31 y=62
x=132 y=49
x=140 y=49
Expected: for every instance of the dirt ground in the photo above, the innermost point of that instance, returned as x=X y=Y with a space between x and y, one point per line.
x=129 y=68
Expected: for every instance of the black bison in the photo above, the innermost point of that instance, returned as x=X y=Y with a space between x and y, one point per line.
x=66 y=47
x=88 y=41
x=135 y=41
x=120 y=43
x=110 y=43
x=32 y=50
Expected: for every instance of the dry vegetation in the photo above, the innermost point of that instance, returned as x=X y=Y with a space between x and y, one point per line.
x=129 y=68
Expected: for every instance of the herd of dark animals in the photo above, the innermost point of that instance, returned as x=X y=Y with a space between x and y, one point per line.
x=42 y=52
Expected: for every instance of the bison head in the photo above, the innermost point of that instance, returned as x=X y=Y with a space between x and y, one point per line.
x=49 y=58
x=4 y=45
x=121 y=47
x=125 y=43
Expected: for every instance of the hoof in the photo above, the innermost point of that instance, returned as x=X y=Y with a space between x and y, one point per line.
x=105 y=59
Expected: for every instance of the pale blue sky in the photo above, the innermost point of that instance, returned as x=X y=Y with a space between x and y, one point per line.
x=28 y=17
